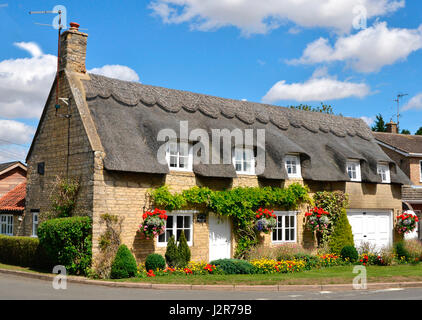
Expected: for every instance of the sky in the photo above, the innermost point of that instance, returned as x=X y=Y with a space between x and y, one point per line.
x=355 y=55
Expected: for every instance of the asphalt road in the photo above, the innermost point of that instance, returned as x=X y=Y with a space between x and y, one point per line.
x=20 y=288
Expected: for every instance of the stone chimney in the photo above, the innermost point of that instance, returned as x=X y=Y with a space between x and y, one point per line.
x=73 y=49
x=392 y=127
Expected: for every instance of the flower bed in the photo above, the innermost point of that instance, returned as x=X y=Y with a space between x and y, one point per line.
x=266 y=266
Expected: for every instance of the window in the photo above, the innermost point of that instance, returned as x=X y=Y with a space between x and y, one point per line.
x=384 y=172
x=35 y=223
x=292 y=164
x=41 y=168
x=353 y=170
x=179 y=156
x=285 y=231
x=177 y=222
x=6 y=224
x=244 y=160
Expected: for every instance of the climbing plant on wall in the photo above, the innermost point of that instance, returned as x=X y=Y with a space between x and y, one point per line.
x=240 y=203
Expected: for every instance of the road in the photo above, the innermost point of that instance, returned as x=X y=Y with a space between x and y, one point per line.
x=20 y=288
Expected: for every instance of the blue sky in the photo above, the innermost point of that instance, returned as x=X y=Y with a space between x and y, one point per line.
x=280 y=52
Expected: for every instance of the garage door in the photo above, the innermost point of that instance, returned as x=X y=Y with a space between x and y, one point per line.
x=374 y=227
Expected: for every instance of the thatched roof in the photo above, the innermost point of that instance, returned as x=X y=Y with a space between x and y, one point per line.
x=129 y=115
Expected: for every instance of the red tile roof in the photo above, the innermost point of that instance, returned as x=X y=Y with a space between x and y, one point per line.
x=14 y=200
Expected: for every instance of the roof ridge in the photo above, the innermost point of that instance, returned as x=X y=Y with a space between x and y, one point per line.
x=173 y=100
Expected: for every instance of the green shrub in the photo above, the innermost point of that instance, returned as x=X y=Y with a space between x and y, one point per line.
x=402 y=253
x=311 y=261
x=342 y=234
x=349 y=253
x=155 y=262
x=234 y=266
x=68 y=242
x=183 y=251
x=172 y=253
x=124 y=264
x=24 y=252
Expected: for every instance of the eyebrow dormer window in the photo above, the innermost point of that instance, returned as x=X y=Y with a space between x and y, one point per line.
x=292 y=164
x=244 y=160
x=353 y=170
x=384 y=172
x=179 y=156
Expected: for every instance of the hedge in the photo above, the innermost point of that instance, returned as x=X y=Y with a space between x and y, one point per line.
x=24 y=252
x=68 y=242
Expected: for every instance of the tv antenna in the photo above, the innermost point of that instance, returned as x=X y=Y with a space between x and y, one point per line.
x=399 y=96
x=59 y=27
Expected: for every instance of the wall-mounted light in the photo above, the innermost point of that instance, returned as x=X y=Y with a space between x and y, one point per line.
x=201 y=218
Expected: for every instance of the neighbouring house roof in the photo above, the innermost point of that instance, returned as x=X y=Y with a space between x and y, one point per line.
x=14 y=200
x=4 y=167
x=128 y=117
x=410 y=144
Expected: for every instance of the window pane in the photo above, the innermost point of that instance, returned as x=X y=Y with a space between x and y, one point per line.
x=287 y=222
x=173 y=161
x=279 y=235
x=178 y=233
x=162 y=238
x=169 y=224
x=279 y=221
x=183 y=162
x=286 y=235
x=179 y=222
x=274 y=235
x=292 y=234
x=187 y=221
x=187 y=234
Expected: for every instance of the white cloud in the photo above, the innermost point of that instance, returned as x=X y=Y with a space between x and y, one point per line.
x=25 y=82
x=319 y=88
x=368 y=120
x=15 y=132
x=252 y=16
x=366 y=51
x=414 y=103
x=117 y=72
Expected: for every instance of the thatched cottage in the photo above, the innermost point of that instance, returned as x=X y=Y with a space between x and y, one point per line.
x=107 y=137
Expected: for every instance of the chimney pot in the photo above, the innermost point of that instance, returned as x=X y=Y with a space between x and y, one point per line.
x=74 y=25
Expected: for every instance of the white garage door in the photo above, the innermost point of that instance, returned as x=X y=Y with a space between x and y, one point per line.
x=374 y=227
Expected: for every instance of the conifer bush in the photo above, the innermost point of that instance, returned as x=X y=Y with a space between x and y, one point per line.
x=342 y=234
x=172 y=253
x=183 y=251
x=349 y=253
x=124 y=264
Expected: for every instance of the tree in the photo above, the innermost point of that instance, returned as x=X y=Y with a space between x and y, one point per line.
x=324 y=108
x=405 y=131
x=379 y=125
x=419 y=132
x=183 y=251
x=342 y=234
x=172 y=254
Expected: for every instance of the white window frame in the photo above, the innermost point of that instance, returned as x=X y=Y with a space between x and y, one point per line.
x=384 y=166
x=356 y=163
x=420 y=170
x=6 y=222
x=244 y=160
x=175 y=214
x=189 y=156
x=296 y=159
x=35 y=222
x=283 y=215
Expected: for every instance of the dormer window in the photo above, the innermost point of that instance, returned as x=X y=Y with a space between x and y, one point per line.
x=384 y=172
x=292 y=164
x=179 y=156
x=353 y=170
x=244 y=160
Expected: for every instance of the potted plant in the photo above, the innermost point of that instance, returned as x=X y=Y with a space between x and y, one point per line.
x=266 y=220
x=406 y=223
x=154 y=223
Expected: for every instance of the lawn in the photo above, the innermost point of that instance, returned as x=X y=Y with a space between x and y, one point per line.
x=331 y=275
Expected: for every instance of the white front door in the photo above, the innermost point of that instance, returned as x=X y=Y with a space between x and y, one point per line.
x=374 y=227
x=220 y=237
